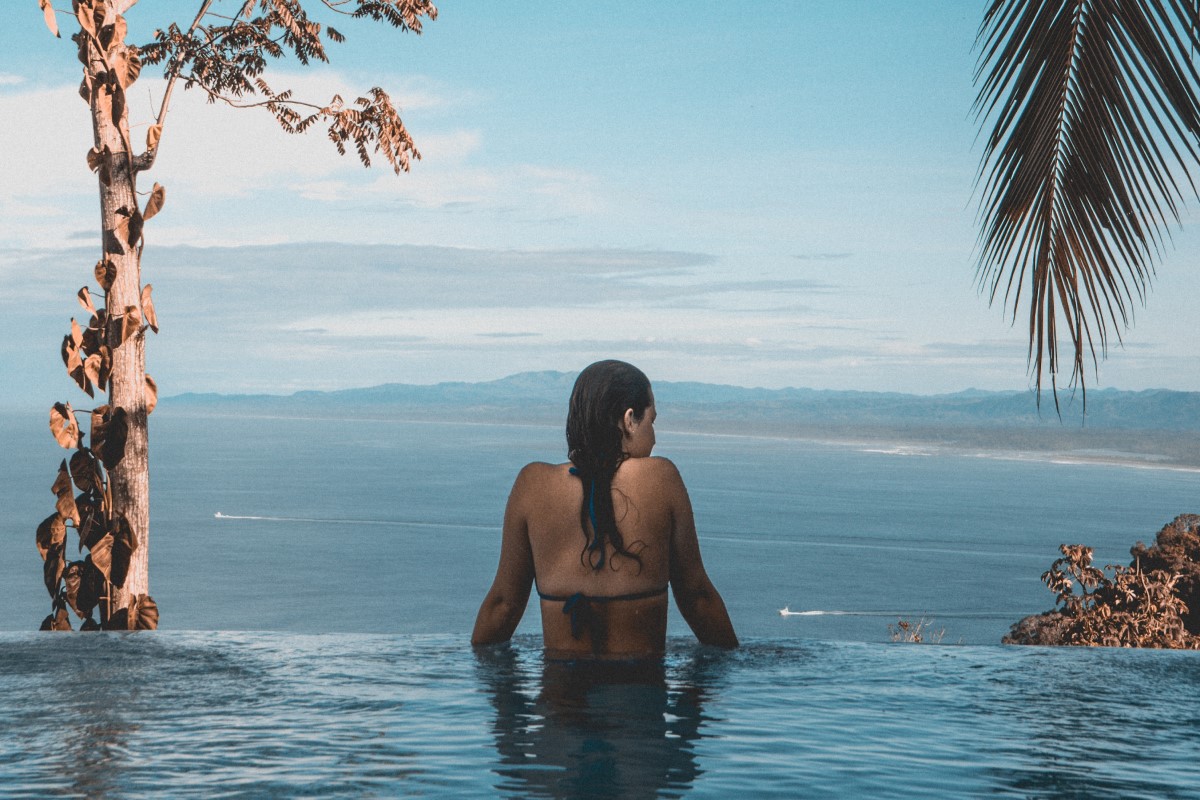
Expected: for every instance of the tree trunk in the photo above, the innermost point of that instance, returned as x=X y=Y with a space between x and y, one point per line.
x=120 y=219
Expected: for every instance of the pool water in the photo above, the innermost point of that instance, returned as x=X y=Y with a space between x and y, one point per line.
x=252 y=714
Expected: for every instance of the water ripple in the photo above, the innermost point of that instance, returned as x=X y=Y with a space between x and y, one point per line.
x=231 y=715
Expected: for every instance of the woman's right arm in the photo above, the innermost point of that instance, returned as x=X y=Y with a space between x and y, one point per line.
x=697 y=598
x=505 y=602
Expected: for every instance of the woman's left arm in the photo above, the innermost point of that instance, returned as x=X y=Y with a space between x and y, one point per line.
x=505 y=602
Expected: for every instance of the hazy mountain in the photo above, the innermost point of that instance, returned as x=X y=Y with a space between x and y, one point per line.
x=545 y=393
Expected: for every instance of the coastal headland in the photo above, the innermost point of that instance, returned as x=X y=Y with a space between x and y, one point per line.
x=1152 y=428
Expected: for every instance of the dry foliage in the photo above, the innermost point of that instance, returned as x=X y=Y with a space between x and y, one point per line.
x=226 y=60
x=1176 y=549
x=225 y=57
x=85 y=586
x=920 y=632
x=1114 y=607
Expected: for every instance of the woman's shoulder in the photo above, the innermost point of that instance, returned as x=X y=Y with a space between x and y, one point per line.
x=652 y=468
x=540 y=471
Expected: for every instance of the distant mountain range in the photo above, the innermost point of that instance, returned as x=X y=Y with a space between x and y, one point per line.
x=544 y=395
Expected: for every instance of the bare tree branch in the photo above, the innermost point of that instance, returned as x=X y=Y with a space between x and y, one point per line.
x=146 y=160
x=227 y=63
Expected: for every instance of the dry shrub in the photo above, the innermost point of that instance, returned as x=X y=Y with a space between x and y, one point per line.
x=915 y=633
x=1145 y=604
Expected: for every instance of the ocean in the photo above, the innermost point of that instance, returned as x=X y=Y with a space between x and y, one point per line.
x=318 y=580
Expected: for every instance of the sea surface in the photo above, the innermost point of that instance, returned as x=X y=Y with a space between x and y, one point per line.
x=317 y=581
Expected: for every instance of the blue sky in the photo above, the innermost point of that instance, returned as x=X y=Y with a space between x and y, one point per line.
x=770 y=194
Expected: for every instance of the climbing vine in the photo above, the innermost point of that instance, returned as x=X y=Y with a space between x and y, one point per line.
x=86 y=586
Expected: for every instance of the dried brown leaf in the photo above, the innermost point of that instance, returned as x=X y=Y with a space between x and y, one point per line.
x=119 y=621
x=48 y=13
x=91 y=369
x=99 y=161
x=76 y=371
x=62 y=481
x=136 y=223
x=119 y=236
x=52 y=531
x=84 y=13
x=106 y=273
x=158 y=195
x=148 y=305
x=76 y=333
x=131 y=323
x=110 y=429
x=91 y=335
x=83 y=471
x=59 y=620
x=151 y=395
x=64 y=426
x=128 y=65
x=72 y=579
x=148 y=312
x=146 y=618
x=91 y=518
x=105 y=366
x=91 y=590
x=74 y=362
x=85 y=300
x=124 y=543
x=66 y=507
x=66 y=498
x=129 y=227
x=152 y=136
x=52 y=570
x=100 y=554
x=113 y=35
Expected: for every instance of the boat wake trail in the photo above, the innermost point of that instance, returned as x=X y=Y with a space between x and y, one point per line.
x=786 y=611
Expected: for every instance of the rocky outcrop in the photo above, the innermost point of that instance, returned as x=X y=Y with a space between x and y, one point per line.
x=1154 y=602
x=1176 y=549
x=1047 y=628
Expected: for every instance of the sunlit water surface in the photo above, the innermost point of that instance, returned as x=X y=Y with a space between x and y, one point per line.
x=353 y=555
x=208 y=714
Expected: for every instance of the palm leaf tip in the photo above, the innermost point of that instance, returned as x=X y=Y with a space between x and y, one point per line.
x=1091 y=119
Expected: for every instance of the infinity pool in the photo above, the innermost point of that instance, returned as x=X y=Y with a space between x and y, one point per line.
x=183 y=714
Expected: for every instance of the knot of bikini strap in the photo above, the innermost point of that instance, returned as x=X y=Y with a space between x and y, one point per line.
x=578 y=606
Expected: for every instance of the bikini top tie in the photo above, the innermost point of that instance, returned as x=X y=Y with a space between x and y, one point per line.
x=579 y=605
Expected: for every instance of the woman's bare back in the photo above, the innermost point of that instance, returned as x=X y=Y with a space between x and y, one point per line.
x=620 y=609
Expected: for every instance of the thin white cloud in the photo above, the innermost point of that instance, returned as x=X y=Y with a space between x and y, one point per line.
x=8 y=79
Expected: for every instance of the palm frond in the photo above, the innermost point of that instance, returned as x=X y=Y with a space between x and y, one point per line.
x=1094 y=118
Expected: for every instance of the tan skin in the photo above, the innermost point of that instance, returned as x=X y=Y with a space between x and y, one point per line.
x=654 y=515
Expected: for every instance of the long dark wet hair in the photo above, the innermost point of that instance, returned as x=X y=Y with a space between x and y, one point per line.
x=602 y=393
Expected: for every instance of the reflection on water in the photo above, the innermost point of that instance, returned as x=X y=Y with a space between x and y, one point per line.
x=252 y=715
x=598 y=730
x=1108 y=725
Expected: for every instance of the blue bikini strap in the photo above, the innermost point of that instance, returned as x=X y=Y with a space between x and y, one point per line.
x=597 y=544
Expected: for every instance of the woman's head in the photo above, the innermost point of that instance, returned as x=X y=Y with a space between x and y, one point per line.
x=611 y=418
x=607 y=417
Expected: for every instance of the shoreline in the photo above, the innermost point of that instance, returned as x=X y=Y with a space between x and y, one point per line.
x=1173 y=451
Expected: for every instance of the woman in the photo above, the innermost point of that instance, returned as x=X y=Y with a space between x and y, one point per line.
x=603 y=536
